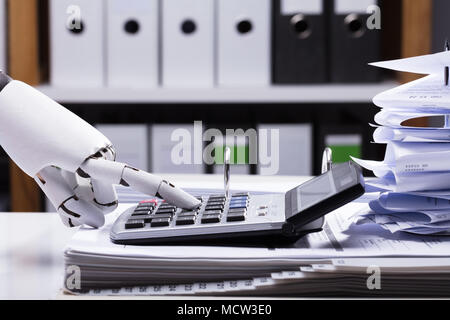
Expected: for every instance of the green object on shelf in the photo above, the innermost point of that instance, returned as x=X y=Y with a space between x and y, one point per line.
x=343 y=146
x=238 y=154
x=342 y=153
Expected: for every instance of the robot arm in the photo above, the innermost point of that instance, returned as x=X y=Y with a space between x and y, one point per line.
x=72 y=162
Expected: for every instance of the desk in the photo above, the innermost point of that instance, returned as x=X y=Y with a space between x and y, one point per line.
x=32 y=244
x=31 y=255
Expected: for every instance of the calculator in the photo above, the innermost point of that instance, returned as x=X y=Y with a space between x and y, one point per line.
x=242 y=218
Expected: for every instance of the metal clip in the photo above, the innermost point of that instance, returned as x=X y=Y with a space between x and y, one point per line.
x=326 y=160
x=446 y=69
x=226 y=171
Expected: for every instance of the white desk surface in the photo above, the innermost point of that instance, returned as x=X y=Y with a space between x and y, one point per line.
x=32 y=244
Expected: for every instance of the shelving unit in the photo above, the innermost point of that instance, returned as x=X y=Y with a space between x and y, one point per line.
x=328 y=104
x=323 y=93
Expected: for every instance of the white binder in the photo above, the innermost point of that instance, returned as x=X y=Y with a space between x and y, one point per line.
x=132 y=28
x=77 y=54
x=168 y=152
x=3 y=36
x=188 y=43
x=244 y=42
x=351 y=6
x=130 y=141
x=294 y=149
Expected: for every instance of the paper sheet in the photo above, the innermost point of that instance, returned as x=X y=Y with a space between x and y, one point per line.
x=426 y=64
x=396 y=119
x=386 y=135
x=410 y=166
x=428 y=94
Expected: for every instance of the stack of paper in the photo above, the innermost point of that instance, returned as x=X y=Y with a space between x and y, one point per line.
x=414 y=177
x=337 y=261
x=337 y=277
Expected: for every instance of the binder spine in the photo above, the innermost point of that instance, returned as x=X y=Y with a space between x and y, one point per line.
x=353 y=45
x=299 y=43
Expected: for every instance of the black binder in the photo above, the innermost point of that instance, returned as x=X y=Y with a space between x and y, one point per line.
x=299 y=47
x=353 y=46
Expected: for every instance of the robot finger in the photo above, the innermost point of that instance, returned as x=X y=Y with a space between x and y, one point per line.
x=81 y=212
x=142 y=181
x=105 y=196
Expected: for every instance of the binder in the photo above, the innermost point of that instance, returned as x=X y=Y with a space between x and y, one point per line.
x=344 y=140
x=299 y=42
x=166 y=140
x=76 y=50
x=243 y=37
x=295 y=152
x=188 y=43
x=3 y=36
x=353 y=45
x=132 y=35
x=343 y=146
x=130 y=141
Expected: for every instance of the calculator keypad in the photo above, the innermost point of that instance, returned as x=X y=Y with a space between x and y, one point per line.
x=213 y=209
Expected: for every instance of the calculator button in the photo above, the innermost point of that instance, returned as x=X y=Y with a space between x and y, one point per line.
x=165 y=211
x=165 y=204
x=239 y=198
x=134 y=224
x=160 y=222
x=214 y=207
x=161 y=216
x=145 y=218
x=217 y=198
x=240 y=194
x=141 y=212
x=238 y=205
x=187 y=213
x=150 y=201
x=211 y=218
x=236 y=216
x=147 y=205
x=185 y=220
x=238 y=202
x=143 y=208
x=261 y=212
x=215 y=204
x=164 y=207
x=213 y=212
x=237 y=210
x=216 y=201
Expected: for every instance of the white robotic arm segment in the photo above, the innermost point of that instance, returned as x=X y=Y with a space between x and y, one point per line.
x=71 y=161
x=37 y=132
x=73 y=210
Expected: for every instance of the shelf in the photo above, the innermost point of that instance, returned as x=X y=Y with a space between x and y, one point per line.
x=323 y=93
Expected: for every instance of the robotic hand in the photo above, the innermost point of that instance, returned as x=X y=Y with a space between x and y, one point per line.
x=72 y=162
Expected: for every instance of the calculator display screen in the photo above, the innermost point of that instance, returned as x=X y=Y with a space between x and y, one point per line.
x=320 y=188
x=310 y=193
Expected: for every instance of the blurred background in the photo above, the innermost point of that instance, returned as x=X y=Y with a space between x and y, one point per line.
x=140 y=69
